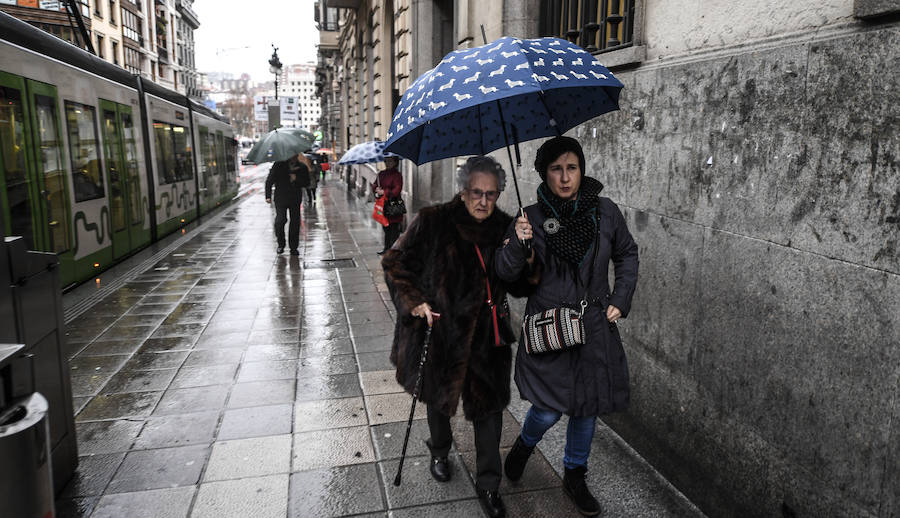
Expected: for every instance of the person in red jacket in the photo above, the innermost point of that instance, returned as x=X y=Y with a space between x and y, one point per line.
x=390 y=184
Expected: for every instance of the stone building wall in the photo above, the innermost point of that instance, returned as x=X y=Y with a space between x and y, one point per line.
x=762 y=184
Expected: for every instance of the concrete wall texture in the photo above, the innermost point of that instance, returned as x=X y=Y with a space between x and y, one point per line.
x=762 y=184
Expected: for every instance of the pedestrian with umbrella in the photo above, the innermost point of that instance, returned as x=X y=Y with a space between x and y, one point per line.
x=288 y=176
x=388 y=185
x=445 y=262
x=576 y=233
x=512 y=90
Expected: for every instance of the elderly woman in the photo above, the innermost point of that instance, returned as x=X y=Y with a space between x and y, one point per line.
x=575 y=233
x=444 y=263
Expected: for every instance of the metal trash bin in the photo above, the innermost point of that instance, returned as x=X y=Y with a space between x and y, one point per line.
x=26 y=483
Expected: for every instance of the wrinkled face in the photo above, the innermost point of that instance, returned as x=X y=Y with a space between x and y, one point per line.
x=564 y=176
x=481 y=195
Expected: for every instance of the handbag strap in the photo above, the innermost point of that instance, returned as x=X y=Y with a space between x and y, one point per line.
x=587 y=285
x=490 y=299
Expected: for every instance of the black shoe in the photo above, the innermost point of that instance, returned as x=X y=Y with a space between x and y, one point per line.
x=491 y=503
x=440 y=469
x=576 y=487
x=514 y=465
x=279 y=250
x=294 y=251
x=382 y=252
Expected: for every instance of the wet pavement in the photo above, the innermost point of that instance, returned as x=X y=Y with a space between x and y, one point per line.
x=224 y=380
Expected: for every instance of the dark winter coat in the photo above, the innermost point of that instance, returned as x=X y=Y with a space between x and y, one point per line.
x=287 y=193
x=391 y=180
x=592 y=379
x=435 y=261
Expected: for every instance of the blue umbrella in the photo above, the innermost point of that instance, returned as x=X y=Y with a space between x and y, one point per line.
x=474 y=98
x=366 y=153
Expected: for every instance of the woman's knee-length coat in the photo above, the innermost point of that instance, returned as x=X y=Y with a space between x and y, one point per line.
x=591 y=379
x=435 y=261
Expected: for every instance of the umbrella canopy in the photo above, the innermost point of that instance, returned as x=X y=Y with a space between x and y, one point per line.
x=538 y=88
x=278 y=145
x=307 y=135
x=366 y=153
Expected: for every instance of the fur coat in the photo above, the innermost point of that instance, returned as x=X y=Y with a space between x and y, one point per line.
x=435 y=261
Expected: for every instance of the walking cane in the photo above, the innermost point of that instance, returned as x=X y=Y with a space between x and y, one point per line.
x=412 y=410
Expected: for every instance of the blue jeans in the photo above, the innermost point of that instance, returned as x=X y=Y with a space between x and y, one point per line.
x=579 y=434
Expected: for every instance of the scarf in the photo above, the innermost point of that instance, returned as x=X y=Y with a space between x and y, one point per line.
x=571 y=224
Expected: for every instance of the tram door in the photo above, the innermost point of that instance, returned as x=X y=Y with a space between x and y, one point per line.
x=206 y=164
x=121 y=171
x=33 y=194
x=17 y=196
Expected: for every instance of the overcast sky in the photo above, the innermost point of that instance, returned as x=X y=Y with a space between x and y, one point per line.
x=236 y=35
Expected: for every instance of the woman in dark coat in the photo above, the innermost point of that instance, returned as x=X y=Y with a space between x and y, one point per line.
x=440 y=265
x=592 y=379
x=390 y=184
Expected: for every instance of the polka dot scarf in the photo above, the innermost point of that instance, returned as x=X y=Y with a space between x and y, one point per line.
x=571 y=238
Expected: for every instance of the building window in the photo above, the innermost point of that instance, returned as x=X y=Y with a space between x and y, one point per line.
x=112 y=12
x=131 y=27
x=598 y=25
x=132 y=60
x=97 y=12
x=100 y=46
x=114 y=48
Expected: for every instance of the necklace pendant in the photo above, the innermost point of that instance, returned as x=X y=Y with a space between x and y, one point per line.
x=551 y=226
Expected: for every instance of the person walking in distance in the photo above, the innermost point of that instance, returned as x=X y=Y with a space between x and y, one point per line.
x=390 y=183
x=288 y=178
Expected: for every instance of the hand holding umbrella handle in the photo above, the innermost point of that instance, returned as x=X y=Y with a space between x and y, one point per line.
x=524 y=231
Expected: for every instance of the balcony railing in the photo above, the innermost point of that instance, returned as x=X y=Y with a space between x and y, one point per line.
x=596 y=25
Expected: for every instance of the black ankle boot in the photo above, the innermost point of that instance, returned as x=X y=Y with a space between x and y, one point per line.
x=439 y=466
x=514 y=465
x=491 y=503
x=440 y=469
x=576 y=487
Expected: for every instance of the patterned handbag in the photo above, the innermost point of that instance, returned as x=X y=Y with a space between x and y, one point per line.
x=557 y=329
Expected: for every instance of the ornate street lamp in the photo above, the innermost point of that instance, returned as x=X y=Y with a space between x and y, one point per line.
x=275 y=67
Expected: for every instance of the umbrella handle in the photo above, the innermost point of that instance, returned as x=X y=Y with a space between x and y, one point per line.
x=527 y=243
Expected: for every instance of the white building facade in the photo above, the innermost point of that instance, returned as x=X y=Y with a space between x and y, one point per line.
x=299 y=81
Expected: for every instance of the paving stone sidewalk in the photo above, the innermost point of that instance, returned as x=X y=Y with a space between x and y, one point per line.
x=229 y=381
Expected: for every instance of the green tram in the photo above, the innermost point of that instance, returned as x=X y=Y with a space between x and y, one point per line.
x=96 y=163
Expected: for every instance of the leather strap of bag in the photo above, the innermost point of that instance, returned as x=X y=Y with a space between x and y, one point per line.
x=490 y=299
x=587 y=285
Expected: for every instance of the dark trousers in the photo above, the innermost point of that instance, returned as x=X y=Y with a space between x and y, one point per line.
x=310 y=194
x=391 y=233
x=281 y=218
x=487 y=445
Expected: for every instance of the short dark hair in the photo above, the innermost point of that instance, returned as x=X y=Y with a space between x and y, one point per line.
x=555 y=148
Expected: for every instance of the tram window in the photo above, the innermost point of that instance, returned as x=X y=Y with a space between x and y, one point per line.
x=84 y=151
x=211 y=165
x=183 y=167
x=165 y=156
x=53 y=172
x=111 y=128
x=173 y=154
x=131 y=166
x=220 y=154
x=231 y=148
x=12 y=152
